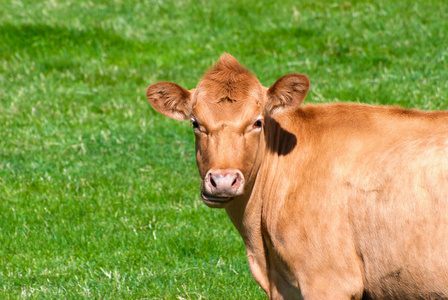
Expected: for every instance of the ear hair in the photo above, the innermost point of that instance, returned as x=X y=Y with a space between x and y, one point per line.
x=170 y=100
x=287 y=92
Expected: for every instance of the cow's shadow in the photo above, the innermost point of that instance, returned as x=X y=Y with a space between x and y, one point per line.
x=278 y=140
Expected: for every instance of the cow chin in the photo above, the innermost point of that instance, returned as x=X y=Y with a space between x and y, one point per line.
x=216 y=202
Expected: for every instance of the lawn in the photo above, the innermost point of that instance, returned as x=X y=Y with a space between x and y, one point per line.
x=99 y=194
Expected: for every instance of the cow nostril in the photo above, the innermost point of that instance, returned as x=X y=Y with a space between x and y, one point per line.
x=212 y=182
x=235 y=182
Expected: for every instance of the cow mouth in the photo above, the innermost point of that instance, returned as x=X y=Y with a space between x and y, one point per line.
x=216 y=202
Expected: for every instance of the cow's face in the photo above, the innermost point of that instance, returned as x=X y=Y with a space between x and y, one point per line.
x=227 y=111
x=228 y=132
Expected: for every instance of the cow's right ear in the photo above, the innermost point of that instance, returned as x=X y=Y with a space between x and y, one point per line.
x=170 y=100
x=288 y=92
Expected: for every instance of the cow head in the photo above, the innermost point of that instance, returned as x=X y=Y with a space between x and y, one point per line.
x=227 y=112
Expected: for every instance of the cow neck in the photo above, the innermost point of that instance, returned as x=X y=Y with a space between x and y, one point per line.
x=246 y=215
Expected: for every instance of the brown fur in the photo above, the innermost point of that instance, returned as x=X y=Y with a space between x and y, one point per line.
x=341 y=201
x=228 y=80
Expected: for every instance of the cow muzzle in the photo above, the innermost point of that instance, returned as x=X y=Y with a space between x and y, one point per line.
x=219 y=187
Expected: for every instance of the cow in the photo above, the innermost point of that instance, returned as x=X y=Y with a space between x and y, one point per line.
x=332 y=201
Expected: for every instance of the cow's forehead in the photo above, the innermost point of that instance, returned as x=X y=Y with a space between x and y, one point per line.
x=214 y=107
x=228 y=93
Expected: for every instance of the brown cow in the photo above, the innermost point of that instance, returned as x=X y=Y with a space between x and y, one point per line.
x=339 y=201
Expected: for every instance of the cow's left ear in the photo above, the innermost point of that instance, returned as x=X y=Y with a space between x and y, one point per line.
x=286 y=93
x=170 y=99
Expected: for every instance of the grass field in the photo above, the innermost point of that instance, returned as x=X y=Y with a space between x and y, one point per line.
x=99 y=195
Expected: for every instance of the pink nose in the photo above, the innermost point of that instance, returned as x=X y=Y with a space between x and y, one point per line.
x=224 y=183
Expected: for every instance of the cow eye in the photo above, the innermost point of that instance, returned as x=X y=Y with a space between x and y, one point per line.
x=258 y=123
x=194 y=123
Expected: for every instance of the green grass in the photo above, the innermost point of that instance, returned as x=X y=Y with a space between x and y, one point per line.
x=99 y=195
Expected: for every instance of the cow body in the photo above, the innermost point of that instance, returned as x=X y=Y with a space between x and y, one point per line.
x=360 y=204
x=339 y=201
